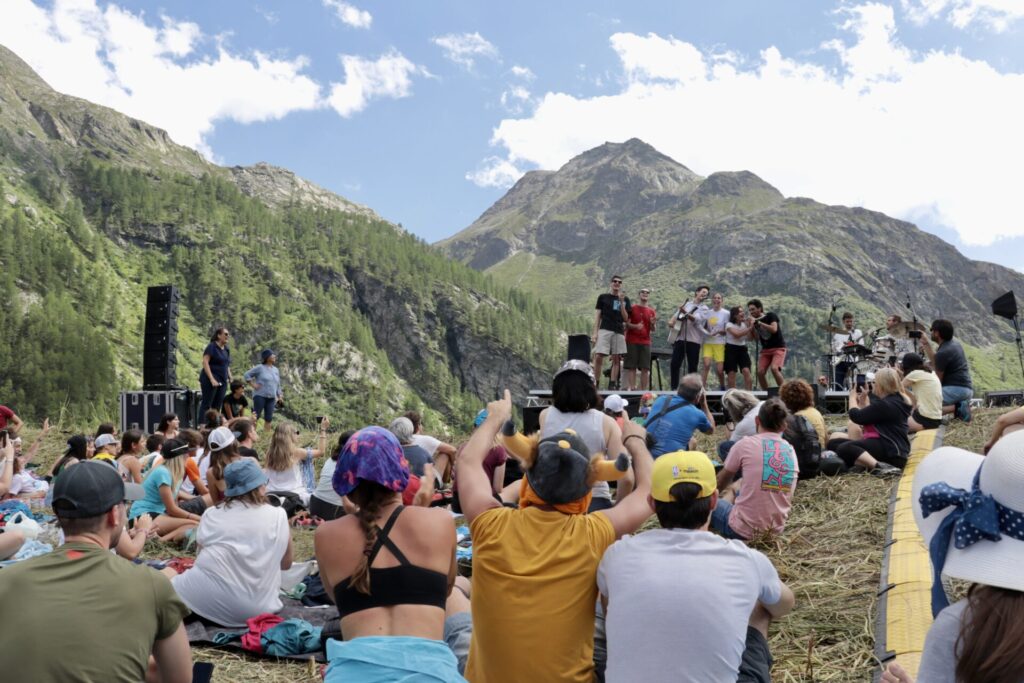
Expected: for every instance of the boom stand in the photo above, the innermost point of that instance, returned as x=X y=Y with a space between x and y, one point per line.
x=1020 y=343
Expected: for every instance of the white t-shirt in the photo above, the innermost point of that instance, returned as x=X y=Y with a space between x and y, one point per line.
x=738 y=329
x=667 y=582
x=24 y=483
x=714 y=323
x=237 y=573
x=324 y=490
x=747 y=426
x=426 y=442
x=289 y=480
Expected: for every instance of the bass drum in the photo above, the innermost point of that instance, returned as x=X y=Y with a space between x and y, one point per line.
x=883 y=350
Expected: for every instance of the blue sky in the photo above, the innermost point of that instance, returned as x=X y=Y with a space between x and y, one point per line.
x=428 y=111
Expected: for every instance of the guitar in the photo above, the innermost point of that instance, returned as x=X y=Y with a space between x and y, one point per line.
x=680 y=319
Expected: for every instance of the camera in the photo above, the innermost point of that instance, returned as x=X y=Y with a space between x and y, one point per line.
x=319 y=419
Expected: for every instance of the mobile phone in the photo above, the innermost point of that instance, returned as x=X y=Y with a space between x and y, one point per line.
x=861 y=381
x=3 y=438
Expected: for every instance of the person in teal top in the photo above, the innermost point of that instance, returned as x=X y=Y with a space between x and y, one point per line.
x=266 y=387
x=161 y=495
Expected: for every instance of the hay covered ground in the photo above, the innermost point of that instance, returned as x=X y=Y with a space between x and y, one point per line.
x=830 y=555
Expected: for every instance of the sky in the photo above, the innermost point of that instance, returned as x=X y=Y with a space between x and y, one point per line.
x=428 y=112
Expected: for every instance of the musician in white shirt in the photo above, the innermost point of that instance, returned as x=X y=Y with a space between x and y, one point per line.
x=686 y=335
x=850 y=335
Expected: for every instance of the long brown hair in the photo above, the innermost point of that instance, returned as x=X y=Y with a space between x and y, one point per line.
x=370 y=497
x=249 y=499
x=220 y=459
x=990 y=636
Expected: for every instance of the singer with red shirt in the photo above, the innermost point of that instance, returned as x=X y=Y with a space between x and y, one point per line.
x=642 y=319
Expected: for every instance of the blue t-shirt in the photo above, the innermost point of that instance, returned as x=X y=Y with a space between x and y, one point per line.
x=672 y=432
x=152 y=502
x=220 y=359
x=417 y=457
x=269 y=379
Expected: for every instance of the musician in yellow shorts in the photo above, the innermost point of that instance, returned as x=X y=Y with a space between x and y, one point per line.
x=713 y=322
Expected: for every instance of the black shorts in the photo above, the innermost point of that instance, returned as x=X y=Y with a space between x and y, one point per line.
x=736 y=358
x=756 y=665
x=195 y=505
x=926 y=422
x=152 y=515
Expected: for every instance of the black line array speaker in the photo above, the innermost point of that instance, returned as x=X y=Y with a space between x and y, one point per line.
x=160 y=347
x=579 y=348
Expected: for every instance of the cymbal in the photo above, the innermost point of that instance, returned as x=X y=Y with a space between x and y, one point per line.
x=902 y=330
x=833 y=328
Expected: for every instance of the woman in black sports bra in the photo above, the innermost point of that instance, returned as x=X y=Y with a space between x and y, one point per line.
x=388 y=568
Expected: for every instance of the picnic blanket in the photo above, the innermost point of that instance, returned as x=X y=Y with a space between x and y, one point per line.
x=200 y=633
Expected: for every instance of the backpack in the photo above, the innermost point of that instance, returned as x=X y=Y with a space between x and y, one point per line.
x=803 y=437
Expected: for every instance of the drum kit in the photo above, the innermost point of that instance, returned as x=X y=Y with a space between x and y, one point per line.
x=884 y=347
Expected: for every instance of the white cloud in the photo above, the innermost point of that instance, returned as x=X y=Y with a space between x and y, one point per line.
x=515 y=99
x=465 y=48
x=996 y=15
x=153 y=72
x=389 y=76
x=350 y=14
x=522 y=72
x=495 y=172
x=890 y=129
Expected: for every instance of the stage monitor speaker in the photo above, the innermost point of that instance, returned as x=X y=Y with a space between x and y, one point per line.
x=1013 y=397
x=579 y=348
x=773 y=392
x=1005 y=306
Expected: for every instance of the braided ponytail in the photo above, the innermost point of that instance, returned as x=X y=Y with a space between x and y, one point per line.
x=370 y=497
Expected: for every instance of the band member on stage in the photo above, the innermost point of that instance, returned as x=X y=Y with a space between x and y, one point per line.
x=849 y=336
x=610 y=316
x=685 y=334
x=642 y=319
x=773 y=347
x=901 y=343
x=951 y=366
x=737 y=333
x=714 y=321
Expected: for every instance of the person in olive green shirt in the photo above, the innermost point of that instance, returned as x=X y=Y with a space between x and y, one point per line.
x=81 y=613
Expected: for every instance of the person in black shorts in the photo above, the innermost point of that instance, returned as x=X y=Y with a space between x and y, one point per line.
x=737 y=333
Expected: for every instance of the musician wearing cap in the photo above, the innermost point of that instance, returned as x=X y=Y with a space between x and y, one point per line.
x=844 y=338
x=104 y=618
x=970 y=511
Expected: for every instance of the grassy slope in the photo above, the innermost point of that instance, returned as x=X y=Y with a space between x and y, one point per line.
x=830 y=555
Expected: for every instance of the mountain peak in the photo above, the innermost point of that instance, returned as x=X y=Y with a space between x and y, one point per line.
x=277 y=187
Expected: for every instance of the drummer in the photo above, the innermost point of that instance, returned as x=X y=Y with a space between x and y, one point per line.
x=898 y=332
x=848 y=336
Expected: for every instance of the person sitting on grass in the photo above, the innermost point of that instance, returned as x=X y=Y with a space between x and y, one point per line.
x=574 y=403
x=639 y=583
x=925 y=391
x=285 y=458
x=244 y=543
x=1007 y=423
x=441 y=454
x=161 y=492
x=105 y=619
x=10 y=540
x=133 y=444
x=798 y=396
x=153 y=444
x=389 y=569
x=245 y=429
x=193 y=496
x=877 y=436
x=235 y=403
x=534 y=567
x=223 y=450
x=324 y=502
x=79 y=449
x=417 y=456
x=765 y=492
x=740 y=408
x=33 y=450
x=977 y=639
x=168 y=426
x=105 y=447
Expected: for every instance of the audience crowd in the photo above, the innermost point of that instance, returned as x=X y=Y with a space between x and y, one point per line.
x=563 y=587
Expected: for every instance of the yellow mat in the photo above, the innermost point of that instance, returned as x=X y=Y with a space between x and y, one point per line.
x=907 y=605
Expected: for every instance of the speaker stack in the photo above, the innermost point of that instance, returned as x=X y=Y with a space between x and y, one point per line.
x=160 y=350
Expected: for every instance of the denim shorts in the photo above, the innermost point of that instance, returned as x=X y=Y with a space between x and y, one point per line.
x=952 y=395
x=720 y=520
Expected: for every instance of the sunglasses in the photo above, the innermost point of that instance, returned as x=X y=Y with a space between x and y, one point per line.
x=616 y=282
x=645 y=291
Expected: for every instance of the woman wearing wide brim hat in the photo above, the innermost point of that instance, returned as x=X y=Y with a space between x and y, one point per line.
x=970 y=510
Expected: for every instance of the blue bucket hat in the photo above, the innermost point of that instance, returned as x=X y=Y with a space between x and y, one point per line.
x=371 y=454
x=267 y=353
x=243 y=476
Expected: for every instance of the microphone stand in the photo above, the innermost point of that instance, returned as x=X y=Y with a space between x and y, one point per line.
x=913 y=316
x=830 y=356
x=1020 y=342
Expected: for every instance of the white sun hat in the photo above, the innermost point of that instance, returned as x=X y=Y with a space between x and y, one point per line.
x=615 y=403
x=985 y=536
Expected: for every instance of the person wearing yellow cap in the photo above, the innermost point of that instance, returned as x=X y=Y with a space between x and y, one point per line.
x=661 y=583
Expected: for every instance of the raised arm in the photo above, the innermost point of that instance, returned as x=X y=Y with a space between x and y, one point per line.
x=634 y=509
x=475 y=491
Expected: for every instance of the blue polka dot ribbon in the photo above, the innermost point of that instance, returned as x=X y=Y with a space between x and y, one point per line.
x=976 y=517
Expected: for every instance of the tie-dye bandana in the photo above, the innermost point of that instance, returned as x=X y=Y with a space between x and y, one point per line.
x=372 y=454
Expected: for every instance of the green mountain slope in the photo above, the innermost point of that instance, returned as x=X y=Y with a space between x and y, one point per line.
x=367 y=319
x=628 y=209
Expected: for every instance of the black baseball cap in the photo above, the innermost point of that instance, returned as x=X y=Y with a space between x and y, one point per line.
x=89 y=489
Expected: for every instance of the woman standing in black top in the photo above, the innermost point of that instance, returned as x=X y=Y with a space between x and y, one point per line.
x=883 y=443
x=216 y=372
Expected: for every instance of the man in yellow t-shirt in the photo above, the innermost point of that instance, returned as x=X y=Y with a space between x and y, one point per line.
x=535 y=567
